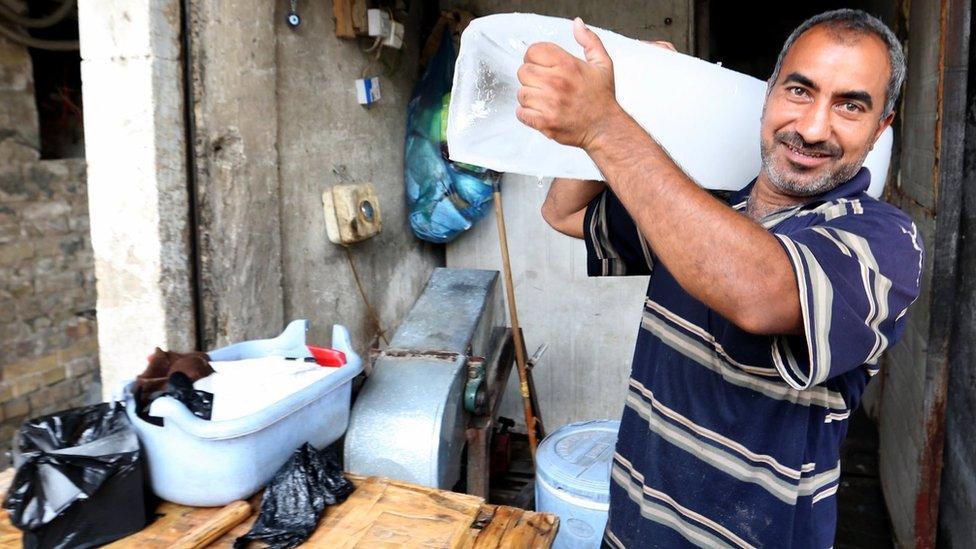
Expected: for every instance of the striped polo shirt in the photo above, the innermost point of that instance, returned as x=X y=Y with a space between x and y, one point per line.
x=732 y=439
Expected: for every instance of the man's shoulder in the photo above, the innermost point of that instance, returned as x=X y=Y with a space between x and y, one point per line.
x=860 y=213
x=875 y=232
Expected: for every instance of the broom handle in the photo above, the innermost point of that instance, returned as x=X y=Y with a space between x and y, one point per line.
x=513 y=313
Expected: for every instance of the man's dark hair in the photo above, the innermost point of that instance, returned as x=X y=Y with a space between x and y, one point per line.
x=856 y=22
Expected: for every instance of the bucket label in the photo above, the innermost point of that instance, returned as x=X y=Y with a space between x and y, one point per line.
x=580 y=528
x=595 y=445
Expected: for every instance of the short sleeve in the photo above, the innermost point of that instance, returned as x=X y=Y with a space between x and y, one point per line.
x=614 y=246
x=857 y=275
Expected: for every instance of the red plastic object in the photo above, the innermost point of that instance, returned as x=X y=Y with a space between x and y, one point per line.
x=327 y=357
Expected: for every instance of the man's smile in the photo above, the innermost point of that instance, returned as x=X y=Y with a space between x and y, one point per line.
x=804 y=157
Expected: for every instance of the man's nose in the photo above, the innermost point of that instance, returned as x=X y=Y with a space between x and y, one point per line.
x=814 y=125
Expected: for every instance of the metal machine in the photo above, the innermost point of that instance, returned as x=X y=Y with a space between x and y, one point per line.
x=436 y=387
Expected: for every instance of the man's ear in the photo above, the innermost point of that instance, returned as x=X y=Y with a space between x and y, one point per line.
x=882 y=126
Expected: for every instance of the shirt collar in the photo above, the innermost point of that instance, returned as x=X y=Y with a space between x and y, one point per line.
x=852 y=187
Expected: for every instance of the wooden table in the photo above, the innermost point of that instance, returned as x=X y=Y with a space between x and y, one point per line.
x=380 y=513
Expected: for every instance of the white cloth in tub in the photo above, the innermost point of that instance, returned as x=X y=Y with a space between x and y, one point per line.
x=243 y=387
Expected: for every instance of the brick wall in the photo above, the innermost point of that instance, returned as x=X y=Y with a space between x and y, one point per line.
x=48 y=346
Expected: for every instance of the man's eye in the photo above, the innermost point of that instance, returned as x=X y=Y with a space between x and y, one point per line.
x=852 y=107
x=796 y=90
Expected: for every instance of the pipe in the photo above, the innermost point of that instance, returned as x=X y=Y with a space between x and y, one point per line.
x=48 y=20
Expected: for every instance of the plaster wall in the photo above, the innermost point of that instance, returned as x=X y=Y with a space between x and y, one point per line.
x=137 y=196
x=325 y=137
x=276 y=123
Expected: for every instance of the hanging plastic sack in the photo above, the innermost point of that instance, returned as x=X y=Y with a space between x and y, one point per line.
x=445 y=198
x=79 y=478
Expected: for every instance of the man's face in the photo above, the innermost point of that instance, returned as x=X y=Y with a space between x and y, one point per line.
x=823 y=114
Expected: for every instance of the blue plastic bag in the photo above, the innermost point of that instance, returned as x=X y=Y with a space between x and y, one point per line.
x=445 y=198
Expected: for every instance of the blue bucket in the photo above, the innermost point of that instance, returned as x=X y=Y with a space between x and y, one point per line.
x=572 y=480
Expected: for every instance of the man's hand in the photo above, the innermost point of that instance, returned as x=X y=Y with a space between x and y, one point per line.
x=565 y=98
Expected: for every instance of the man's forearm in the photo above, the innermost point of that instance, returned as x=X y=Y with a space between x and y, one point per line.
x=724 y=259
x=566 y=202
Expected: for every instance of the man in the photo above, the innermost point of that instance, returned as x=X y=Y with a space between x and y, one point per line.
x=765 y=316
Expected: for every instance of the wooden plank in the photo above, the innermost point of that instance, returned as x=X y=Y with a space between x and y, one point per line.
x=490 y=537
x=930 y=189
x=6 y=478
x=342 y=12
x=358 y=16
x=380 y=513
x=485 y=515
x=10 y=536
x=530 y=530
x=383 y=511
x=222 y=522
x=175 y=521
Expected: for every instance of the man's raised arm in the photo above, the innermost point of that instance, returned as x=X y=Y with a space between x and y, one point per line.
x=566 y=202
x=722 y=258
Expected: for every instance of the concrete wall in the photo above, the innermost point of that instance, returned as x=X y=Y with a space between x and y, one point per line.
x=322 y=129
x=929 y=189
x=233 y=66
x=48 y=348
x=590 y=323
x=275 y=118
x=137 y=194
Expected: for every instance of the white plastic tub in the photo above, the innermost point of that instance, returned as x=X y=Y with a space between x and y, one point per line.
x=572 y=480
x=197 y=462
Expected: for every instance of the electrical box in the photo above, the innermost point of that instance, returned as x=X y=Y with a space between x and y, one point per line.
x=395 y=38
x=368 y=90
x=378 y=22
x=352 y=213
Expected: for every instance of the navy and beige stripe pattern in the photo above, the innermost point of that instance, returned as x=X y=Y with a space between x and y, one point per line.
x=730 y=439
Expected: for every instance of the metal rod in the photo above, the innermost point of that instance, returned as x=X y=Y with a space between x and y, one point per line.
x=513 y=313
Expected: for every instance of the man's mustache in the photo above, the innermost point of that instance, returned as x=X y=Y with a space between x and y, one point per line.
x=793 y=139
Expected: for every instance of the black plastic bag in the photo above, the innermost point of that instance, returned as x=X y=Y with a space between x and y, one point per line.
x=79 y=478
x=180 y=387
x=295 y=499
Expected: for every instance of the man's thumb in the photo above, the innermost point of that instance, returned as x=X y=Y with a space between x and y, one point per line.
x=592 y=46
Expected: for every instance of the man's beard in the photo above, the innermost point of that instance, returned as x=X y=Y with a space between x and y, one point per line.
x=793 y=186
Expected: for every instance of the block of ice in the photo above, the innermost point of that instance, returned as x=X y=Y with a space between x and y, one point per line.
x=705 y=116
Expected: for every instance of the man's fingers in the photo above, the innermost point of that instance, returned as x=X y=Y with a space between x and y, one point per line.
x=663 y=44
x=530 y=117
x=536 y=75
x=530 y=97
x=545 y=54
x=593 y=48
x=529 y=74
